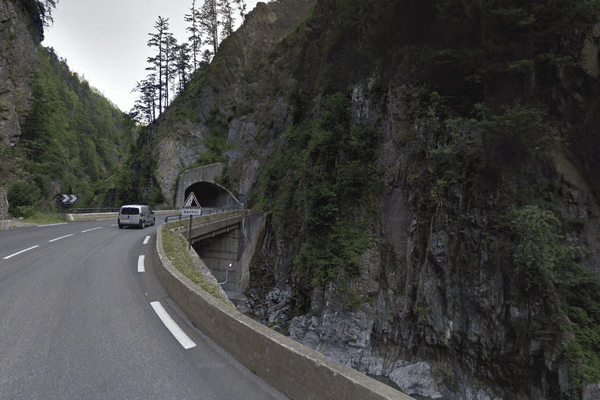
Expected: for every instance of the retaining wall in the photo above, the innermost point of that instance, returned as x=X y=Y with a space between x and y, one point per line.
x=290 y=367
x=3 y=204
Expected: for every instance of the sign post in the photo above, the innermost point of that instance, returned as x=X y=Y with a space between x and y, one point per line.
x=191 y=207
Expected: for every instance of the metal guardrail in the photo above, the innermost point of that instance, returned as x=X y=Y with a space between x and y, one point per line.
x=89 y=210
x=180 y=217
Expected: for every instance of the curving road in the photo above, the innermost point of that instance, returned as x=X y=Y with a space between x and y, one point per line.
x=82 y=316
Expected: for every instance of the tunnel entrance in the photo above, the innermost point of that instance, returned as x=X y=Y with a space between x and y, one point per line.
x=211 y=195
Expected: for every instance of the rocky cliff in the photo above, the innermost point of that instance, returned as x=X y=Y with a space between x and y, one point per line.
x=479 y=278
x=20 y=34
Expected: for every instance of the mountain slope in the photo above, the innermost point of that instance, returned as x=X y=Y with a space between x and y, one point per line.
x=71 y=139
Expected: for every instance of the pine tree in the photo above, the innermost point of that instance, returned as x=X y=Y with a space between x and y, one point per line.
x=183 y=65
x=145 y=106
x=209 y=24
x=195 y=39
x=225 y=10
x=170 y=67
x=157 y=63
x=241 y=6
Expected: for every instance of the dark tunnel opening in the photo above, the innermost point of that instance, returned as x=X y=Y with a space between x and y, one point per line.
x=210 y=195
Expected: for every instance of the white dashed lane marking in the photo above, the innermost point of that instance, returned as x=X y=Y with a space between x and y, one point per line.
x=62 y=237
x=172 y=326
x=141 y=264
x=20 y=252
x=147 y=240
x=93 y=229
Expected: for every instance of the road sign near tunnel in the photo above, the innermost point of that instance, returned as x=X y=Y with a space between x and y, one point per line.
x=191 y=201
x=191 y=211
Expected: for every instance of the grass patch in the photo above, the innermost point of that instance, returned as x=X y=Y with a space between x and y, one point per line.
x=42 y=219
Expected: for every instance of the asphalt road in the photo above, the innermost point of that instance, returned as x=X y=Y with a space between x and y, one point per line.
x=78 y=320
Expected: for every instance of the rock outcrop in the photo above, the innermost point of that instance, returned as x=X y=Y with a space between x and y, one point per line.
x=20 y=34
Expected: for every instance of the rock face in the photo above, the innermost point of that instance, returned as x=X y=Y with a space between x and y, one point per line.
x=237 y=92
x=19 y=37
x=439 y=307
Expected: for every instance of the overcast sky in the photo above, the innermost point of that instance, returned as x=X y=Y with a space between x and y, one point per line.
x=106 y=40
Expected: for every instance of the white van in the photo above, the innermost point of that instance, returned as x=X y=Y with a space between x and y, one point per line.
x=135 y=215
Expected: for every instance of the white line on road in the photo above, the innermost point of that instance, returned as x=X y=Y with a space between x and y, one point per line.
x=62 y=237
x=61 y=223
x=141 y=264
x=93 y=229
x=22 y=251
x=147 y=240
x=172 y=326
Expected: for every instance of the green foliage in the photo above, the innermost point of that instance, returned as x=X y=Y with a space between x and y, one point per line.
x=539 y=246
x=354 y=302
x=326 y=173
x=522 y=127
x=135 y=181
x=23 y=198
x=45 y=218
x=73 y=135
x=297 y=102
x=328 y=250
x=542 y=253
x=580 y=290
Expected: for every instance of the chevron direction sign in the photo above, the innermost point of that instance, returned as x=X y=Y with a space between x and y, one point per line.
x=69 y=199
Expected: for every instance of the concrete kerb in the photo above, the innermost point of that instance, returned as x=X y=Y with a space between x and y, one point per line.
x=294 y=369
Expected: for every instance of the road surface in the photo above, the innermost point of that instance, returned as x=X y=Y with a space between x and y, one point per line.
x=83 y=316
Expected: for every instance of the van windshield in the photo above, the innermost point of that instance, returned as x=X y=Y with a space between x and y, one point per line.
x=129 y=211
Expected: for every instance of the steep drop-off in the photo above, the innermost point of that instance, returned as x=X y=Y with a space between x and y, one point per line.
x=432 y=199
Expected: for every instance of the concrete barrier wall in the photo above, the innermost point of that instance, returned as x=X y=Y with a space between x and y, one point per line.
x=290 y=367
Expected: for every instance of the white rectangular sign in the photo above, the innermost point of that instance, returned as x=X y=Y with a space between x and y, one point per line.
x=191 y=211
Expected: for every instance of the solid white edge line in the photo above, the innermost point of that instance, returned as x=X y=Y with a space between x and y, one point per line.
x=22 y=251
x=172 y=326
x=141 y=264
x=93 y=229
x=147 y=240
x=61 y=223
x=62 y=237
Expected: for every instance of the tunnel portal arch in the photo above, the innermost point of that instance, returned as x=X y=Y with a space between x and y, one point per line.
x=210 y=194
x=201 y=181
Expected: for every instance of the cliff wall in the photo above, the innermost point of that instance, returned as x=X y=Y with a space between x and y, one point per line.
x=444 y=301
x=20 y=34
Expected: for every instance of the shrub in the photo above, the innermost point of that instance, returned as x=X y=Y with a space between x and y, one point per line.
x=23 y=197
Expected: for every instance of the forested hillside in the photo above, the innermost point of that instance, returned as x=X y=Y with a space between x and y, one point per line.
x=74 y=140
